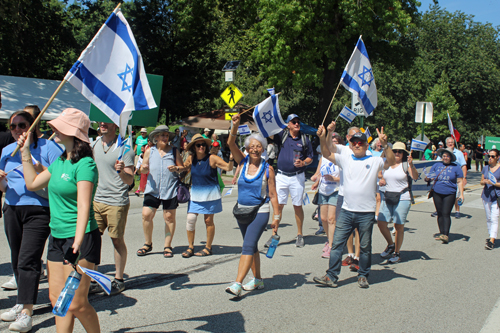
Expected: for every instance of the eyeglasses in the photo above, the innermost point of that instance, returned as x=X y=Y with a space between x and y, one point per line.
x=20 y=125
x=357 y=143
x=295 y=122
x=198 y=145
x=398 y=151
x=492 y=156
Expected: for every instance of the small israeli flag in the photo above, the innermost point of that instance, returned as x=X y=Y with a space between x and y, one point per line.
x=492 y=177
x=368 y=134
x=103 y=280
x=429 y=174
x=229 y=192
x=306 y=200
x=418 y=145
x=347 y=114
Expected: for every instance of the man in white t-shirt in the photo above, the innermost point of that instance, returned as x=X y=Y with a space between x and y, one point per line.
x=360 y=174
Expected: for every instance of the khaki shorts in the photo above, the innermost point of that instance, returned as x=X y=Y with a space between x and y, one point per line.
x=114 y=218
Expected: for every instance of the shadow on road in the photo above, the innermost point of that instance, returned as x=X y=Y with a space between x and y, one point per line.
x=222 y=322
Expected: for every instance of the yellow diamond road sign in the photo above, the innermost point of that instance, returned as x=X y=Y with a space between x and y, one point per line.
x=231 y=95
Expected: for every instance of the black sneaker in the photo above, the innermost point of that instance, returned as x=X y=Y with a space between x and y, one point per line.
x=325 y=281
x=117 y=287
x=321 y=231
x=434 y=214
x=388 y=251
x=489 y=245
x=95 y=288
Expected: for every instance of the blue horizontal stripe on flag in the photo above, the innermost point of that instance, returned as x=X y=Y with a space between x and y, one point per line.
x=275 y=113
x=361 y=47
x=345 y=117
x=115 y=24
x=99 y=89
x=259 y=122
x=353 y=84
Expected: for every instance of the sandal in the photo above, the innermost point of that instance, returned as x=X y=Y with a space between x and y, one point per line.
x=204 y=253
x=444 y=239
x=145 y=249
x=168 y=254
x=188 y=253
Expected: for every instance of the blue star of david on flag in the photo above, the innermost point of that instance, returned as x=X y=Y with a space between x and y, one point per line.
x=267 y=116
x=123 y=77
x=366 y=76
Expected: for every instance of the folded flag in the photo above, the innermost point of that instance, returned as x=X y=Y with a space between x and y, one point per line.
x=347 y=114
x=229 y=191
x=103 y=280
x=267 y=117
x=418 y=145
x=492 y=177
x=306 y=200
x=453 y=131
x=110 y=72
x=358 y=78
x=368 y=134
x=271 y=91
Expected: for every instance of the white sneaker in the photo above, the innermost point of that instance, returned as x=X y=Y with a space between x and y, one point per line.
x=234 y=289
x=393 y=232
x=254 y=284
x=23 y=323
x=11 y=284
x=12 y=313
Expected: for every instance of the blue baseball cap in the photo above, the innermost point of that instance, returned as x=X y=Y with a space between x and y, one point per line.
x=291 y=117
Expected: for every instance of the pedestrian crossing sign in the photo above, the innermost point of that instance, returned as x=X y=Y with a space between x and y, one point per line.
x=231 y=95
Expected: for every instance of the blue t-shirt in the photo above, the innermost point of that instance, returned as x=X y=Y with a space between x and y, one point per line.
x=447 y=179
x=46 y=152
x=490 y=192
x=285 y=157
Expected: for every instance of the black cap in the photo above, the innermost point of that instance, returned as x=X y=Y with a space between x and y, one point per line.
x=359 y=136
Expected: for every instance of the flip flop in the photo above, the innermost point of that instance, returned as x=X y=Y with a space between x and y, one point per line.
x=204 y=253
x=168 y=254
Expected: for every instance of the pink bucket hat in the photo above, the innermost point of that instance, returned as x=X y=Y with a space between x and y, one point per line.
x=72 y=122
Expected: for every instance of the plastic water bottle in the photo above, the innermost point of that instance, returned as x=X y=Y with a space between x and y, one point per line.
x=272 y=247
x=460 y=202
x=67 y=294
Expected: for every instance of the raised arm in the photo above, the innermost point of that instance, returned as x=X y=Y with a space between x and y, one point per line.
x=332 y=147
x=411 y=168
x=237 y=154
x=324 y=149
x=34 y=181
x=217 y=162
x=389 y=154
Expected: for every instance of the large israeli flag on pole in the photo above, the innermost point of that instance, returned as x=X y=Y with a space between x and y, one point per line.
x=347 y=114
x=110 y=72
x=358 y=78
x=267 y=117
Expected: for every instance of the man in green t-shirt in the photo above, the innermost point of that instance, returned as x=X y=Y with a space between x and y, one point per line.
x=141 y=140
x=206 y=133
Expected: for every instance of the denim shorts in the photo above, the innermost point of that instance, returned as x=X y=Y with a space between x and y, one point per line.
x=328 y=199
x=397 y=212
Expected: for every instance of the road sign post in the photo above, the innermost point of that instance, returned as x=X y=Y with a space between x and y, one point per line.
x=423 y=114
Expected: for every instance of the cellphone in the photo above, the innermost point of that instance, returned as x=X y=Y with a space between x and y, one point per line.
x=71 y=257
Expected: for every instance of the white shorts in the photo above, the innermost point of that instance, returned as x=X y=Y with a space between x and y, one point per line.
x=294 y=185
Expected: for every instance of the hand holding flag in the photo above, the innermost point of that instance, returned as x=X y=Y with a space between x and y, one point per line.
x=492 y=178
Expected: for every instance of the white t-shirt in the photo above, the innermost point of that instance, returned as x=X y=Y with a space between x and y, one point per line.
x=346 y=151
x=327 y=187
x=360 y=181
x=397 y=181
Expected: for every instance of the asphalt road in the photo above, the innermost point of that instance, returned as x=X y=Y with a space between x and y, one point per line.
x=435 y=288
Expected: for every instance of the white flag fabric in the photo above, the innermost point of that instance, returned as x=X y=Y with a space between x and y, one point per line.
x=418 y=145
x=305 y=200
x=110 y=72
x=347 y=114
x=267 y=117
x=492 y=177
x=271 y=91
x=103 y=280
x=358 y=78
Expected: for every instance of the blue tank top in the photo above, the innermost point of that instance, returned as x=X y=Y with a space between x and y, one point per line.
x=252 y=190
x=162 y=183
x=204 y=180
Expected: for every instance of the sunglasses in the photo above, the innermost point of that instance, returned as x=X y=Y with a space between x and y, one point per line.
x=357 y=143
x=20 y=125
x=295 y=122
x=492 y=156
x=198 y=145
x=398 y=151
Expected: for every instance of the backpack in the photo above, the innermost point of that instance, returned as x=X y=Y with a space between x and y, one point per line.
x=302 y=136
x=409 y=180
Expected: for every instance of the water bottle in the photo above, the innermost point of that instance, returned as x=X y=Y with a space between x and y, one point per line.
x=460 y=202
x=67 y=294
x=272 y=247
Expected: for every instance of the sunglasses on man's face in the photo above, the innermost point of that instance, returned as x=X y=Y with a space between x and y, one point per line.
x=198 y=145
x=20 y=125
x=357 y=143
x=492 y=156
x=295 y=122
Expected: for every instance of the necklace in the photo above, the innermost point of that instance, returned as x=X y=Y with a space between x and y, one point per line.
x=109 y=146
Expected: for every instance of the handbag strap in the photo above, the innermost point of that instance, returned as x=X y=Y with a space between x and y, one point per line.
x=436 y=179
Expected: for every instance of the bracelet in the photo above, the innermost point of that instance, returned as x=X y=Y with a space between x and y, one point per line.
x=277 y=217
x=26 y=160
x=233 y=134
x=231 y=160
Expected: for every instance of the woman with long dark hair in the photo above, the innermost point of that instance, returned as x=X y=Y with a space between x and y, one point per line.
x=491 y=192
x=71 y=181
x=26 y=218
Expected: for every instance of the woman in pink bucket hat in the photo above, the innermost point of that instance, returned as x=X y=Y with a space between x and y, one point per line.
x=72 y=224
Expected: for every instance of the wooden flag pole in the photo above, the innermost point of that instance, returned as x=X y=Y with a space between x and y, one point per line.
x=37 y=120
x=331 y=102
x=253 y=107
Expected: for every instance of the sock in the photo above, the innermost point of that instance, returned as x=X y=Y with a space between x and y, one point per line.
x=351 y=255
x=356 y=258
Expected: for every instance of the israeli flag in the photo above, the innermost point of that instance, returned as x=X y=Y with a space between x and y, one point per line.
x=358 y=78
x=271 y=91
x=347 y=114
x=306 y=200
x=103 y=280
x=110 y=72
x=428 y=174
x=418 y=145
x=368 y=134
x=229 y=192
x=267 y=117
x=492 y=177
